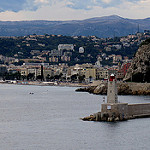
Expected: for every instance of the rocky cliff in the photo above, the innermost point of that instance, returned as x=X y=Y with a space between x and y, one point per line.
x=139 y=70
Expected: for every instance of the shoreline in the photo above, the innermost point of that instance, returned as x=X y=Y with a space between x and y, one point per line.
x=40 y=83
x=123 y=88
x=98 y=88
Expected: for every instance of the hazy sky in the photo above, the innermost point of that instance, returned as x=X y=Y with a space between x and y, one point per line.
x=72 y=9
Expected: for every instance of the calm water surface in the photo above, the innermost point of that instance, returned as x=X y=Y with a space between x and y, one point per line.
x=49 y=120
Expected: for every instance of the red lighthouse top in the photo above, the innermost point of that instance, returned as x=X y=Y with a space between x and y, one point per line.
x=112 y=77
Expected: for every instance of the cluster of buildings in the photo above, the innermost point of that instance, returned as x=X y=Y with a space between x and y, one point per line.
x=63 y=53
x=79 y=72
x=110 y=44
x=62 y=72
x=8 y=60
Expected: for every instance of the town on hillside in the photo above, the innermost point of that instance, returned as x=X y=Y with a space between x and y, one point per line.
x=57 y=58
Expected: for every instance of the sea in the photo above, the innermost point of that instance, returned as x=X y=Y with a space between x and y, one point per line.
x=48 y=118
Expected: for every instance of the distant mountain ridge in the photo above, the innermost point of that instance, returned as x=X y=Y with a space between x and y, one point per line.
x=107 y=26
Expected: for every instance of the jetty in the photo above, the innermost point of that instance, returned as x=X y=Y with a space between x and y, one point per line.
x=115 y=111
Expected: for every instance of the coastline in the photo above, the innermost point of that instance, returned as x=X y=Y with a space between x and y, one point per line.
x=98 y=87
x=124 y=88
x=40 y=83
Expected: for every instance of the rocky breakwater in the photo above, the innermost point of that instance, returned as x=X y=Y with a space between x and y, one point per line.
x=104 y=117
x=128 y=88
x=97 y=89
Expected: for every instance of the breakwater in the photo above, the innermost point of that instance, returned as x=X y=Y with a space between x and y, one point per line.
x=124 y=88
x=115 y=111
x=120 y=112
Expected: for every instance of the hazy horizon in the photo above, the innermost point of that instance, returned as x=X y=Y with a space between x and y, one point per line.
x=65 y=10
x=77 y=19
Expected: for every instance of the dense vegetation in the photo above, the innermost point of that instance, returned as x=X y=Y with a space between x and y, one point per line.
x=147 y=41
x=20 y=47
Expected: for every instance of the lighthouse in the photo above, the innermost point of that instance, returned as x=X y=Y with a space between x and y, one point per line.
x=112 y=90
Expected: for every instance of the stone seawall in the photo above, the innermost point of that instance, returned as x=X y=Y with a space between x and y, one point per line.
x=138 y=110
x=119 y=112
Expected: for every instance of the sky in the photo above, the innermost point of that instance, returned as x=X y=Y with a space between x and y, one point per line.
x=16 y=10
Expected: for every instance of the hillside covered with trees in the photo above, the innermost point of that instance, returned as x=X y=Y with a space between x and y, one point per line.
x=94 y=47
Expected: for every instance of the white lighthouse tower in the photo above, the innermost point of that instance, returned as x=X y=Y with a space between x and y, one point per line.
x=112 y=110
x=112 y=90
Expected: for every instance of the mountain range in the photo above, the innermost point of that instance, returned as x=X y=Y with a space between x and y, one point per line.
x=107 y=26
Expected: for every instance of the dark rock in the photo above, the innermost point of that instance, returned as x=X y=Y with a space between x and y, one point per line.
x=87 y=89
x=139 y=71
x=100 y=89
x=89 y=118
x=124 y=89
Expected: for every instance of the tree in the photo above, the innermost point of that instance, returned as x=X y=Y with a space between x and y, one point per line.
x=12 y=76
x=39 y=77
x=47 y=77
x=23 y=77
x=58 y=76
x=81 y=78
x=30 y=76
x=74 y=77
x=17 y=75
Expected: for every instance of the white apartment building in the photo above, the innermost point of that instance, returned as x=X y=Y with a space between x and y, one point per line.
x=66 y=47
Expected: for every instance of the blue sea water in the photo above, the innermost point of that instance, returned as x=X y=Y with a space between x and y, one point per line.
x=49 y=119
